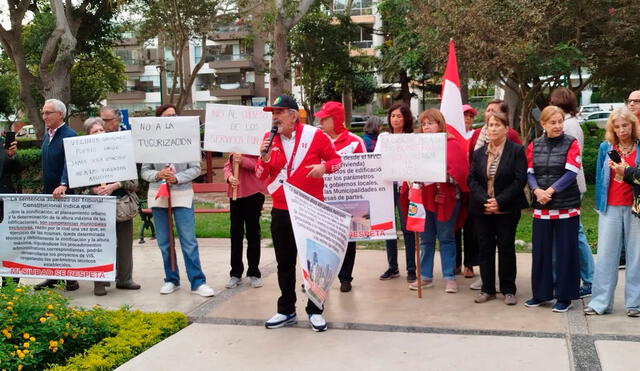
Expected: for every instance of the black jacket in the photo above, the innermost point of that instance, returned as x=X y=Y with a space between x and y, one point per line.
x=509 y=181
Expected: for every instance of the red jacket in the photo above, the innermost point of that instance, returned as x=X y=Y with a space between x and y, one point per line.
x=312 y=147
x=457 y=169
x=347 y=143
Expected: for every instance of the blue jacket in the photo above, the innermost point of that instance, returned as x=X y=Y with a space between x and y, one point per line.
x=54 y=165
x=603 y=173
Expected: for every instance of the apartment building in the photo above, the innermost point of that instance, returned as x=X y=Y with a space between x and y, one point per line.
x=234 y=72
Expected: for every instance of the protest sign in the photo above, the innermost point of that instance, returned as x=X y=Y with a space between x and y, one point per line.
x=321 y=232
x=231 y=128
x=414 y=157
x=71 y=238
x=166 y=139
x=358 y=189
x=100 y=158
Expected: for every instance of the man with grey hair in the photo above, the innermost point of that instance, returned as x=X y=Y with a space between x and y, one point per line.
x=54 y=166
x=112 y=118
x=633 y=103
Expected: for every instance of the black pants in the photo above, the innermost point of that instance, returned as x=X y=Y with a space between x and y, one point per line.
x=500 y=230
x=567 y=283
x=347 y=265
x=467 y=236
x=245 y=213
x=284 y=244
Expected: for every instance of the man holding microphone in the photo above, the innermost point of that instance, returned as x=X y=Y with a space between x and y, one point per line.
x=300 y=155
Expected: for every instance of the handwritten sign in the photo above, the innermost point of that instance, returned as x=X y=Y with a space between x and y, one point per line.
x=414 y=157
x=100 y=158
x=230 y=128
x=166 y=139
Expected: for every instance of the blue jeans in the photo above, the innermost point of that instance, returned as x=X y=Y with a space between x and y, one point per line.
x=445 y=231
x=617 y=227
x=409 y=240
x=184 y=219
x=586 y=258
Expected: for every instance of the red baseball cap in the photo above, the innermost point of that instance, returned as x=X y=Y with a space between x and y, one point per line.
x=467 y=108
x=336 y=111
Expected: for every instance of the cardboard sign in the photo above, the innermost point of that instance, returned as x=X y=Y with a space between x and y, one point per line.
x=166 y=139
x=414 y=157
x=230 y=128
x=100 y=158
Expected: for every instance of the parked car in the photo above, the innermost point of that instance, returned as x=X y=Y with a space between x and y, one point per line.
x=358 y=121
x=27 y=131
x=596 y=107
x=600 y=118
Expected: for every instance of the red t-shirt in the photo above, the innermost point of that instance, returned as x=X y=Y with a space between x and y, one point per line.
x=621 y=193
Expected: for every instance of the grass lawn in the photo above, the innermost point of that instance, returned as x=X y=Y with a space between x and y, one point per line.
x=217 y=225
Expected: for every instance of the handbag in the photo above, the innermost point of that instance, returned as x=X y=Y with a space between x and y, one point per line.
x=127 y=207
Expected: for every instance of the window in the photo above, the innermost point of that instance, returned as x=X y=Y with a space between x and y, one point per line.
x=358 y=7
x=363 y=36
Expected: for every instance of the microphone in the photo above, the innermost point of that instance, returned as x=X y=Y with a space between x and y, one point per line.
x=272 y=134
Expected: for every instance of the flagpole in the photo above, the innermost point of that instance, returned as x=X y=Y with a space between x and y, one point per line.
x=172 y=242
x=418 y=275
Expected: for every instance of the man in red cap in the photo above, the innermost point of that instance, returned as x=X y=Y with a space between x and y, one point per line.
x=332 y=123
x=470 y=114
x=300 y=155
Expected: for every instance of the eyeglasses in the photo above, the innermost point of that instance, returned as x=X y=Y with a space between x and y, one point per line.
x=108 y=120
x=47 y=113
x=635 y=101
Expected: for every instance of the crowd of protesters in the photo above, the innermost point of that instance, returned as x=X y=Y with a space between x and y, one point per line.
x=473 y=214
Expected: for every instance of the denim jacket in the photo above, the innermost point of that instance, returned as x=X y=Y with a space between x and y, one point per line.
x=603 y=175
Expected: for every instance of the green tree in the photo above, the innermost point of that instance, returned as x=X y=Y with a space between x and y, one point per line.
x=77 y=27
x=403 y=59
x=93 y=76
x=9 y=89
x=176 y=23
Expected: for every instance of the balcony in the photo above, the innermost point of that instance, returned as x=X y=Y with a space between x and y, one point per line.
x=230 y=33
x=231 y=61
x=133 y=65
x=231 y=89
x=132 y=95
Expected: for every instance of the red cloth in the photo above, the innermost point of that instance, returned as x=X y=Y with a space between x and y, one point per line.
x=163 y=190
x=348 y=143
x=457 y=169
x=621 y=193
x=512 y=135
x=319 y=150
x=249 y=182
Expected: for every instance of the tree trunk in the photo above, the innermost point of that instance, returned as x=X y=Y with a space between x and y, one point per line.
x=405 y=94
x=464 y=83
x=279 y=60
x=347 y=102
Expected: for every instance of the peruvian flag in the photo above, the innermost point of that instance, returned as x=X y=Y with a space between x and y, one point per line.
x=451 y=100
x=416 y=215
x=163 y=190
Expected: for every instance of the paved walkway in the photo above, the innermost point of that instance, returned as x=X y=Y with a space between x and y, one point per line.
x=380 y=325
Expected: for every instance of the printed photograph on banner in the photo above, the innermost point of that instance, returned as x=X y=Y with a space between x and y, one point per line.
x=100 y=158
x=322 y=266
x=359 y=189
x=233 y=128
x=321 y=232
x=166 y=139
x=71 y=238
x=411 y=157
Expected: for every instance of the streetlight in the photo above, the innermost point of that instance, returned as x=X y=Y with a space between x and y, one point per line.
x=161 y=69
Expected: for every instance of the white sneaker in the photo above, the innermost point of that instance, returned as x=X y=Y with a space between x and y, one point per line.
x=204 y=290
x=233 y=282
x=477 y=285
x=281 y=320
x=255 y=282
x=318 y=324
x=168 y=288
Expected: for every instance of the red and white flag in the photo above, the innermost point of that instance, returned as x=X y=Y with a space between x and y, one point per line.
x=163 y=190
x=416 y=215
x=451 y=99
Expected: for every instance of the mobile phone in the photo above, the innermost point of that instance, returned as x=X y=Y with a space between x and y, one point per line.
x=9 y=137
x=614 y=156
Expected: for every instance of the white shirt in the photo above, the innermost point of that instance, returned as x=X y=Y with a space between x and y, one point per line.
x=288 y=144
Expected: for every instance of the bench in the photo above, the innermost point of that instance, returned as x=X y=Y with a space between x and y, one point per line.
x=146 y=216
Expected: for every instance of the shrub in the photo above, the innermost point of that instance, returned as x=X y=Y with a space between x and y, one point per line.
x=137 y=331
x=29 y=180
x=40 y=328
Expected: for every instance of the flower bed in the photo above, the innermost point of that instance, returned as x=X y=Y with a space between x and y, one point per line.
x=39 y=330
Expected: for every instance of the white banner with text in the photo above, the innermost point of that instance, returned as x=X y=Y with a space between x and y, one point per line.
x=232 y=128
x=72 y=238
x=414 y=157
x=166 y=139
